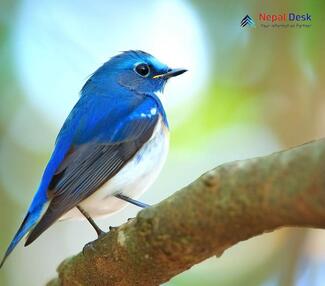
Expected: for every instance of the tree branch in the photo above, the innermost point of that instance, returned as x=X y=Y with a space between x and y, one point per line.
x=231 y=203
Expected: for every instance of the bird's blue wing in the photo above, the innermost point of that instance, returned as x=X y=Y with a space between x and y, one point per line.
x=92 y=162
x=95 y=142
x=40 y=198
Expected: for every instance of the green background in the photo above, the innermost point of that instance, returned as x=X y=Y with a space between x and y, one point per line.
x=263 y=91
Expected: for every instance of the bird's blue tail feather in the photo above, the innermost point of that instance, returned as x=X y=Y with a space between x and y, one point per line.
x=29 y=221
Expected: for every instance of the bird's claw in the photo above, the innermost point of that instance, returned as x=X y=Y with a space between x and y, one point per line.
x=100 y=233
x=88 y=247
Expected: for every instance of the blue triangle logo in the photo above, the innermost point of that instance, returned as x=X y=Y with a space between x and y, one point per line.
x=247 y=21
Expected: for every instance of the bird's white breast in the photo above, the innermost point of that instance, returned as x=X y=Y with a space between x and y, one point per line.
x=132 y=180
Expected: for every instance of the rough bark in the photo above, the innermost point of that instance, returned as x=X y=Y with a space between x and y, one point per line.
x=228 y=204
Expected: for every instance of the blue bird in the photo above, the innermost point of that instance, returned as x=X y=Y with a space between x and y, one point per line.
x=110 y=149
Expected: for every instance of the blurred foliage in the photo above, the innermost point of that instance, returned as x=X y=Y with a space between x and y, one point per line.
x=277 y=68
x=271 y=78
x=213 y=113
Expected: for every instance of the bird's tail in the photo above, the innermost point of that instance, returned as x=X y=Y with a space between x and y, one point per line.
x=29 y=221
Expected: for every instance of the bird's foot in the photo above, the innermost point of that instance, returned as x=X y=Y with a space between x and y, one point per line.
x=132 y=201
x=100 y=233
x=112 y=228
x=90 y=245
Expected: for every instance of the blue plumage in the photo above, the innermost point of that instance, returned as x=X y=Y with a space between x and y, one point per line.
x=116 y=115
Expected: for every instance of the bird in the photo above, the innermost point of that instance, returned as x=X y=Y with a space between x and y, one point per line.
x=110 y=149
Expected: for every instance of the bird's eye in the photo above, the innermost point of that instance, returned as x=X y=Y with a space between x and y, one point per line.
x=142 y=69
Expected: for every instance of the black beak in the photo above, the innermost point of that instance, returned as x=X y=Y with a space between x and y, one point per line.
x=170 y=73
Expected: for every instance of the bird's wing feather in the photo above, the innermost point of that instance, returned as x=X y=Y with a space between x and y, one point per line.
x=90 y=164
x=62 y=146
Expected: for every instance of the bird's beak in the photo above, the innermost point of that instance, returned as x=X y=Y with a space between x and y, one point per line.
x=171 y=73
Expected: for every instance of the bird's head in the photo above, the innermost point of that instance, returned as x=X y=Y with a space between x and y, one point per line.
x=137 y=71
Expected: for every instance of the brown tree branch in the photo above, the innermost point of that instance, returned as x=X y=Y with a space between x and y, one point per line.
x=231 y=203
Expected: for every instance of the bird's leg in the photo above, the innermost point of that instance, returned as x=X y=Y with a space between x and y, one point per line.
x=91 y=221
x=132 y=201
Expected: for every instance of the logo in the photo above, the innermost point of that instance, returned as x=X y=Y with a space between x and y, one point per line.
x=285 y=20
x=284 y=17
x=247 y=20
x=279 y=20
